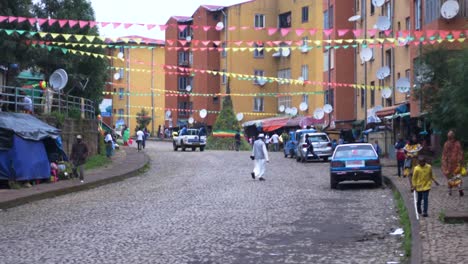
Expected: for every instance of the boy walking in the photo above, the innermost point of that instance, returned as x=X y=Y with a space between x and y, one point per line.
x=421 y=182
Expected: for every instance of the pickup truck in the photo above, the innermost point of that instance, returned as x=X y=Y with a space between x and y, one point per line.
x=189 y=140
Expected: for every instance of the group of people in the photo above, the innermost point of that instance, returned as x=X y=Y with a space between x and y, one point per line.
x=420 y=174
x=274 y=141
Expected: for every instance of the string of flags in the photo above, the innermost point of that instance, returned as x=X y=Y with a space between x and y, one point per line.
x=192 y=111
x=186 y=94
x=70 y=23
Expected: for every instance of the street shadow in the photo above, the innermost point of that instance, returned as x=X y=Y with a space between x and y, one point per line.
x=361 y=185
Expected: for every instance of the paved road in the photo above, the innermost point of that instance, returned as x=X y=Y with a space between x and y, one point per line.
x=203 y=207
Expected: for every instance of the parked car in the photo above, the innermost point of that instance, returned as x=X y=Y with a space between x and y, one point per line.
x=322 y=147
x=353 y=162
x=291 y=145
x=190 y=140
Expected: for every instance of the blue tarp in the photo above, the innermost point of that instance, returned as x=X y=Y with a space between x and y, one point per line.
x=26 y=161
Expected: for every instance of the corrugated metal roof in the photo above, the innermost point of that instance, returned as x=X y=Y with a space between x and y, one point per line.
x=182 y=18
x=213 y=8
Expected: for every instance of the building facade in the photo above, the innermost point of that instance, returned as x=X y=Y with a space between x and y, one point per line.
x=137 y=82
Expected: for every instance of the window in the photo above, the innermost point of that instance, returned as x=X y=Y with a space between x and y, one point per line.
x=185 y=33
x=372 y=94
x=285 y=100
x=224 y=77
x=121 y=112
x=122 y=49
x=305 y=14
x=305 y=42
x=224 y=52
x=388 y=58
x=363 y=97
x=259 y=51
x=258 y=77
x=417 y=14
x=325 y=59
x=372 y=8
x=388 y=102
x=259 y=21
x=329 y=97
x=258 y=104
x=121 y=73
x=184 y=58
x=285 y=75
x=408 y=23
x=363 y=8
x=185 y=108
x=432 y=10
x=464 y=8
x=184 y=82
x=305 y=98
x=121 y=93
x=328 y=18
x=408 y=74
x=387 y=10
x=305 y=72
x=285 y=20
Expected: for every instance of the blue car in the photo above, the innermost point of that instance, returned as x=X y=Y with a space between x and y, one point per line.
x=354 y=162
x=290 y=146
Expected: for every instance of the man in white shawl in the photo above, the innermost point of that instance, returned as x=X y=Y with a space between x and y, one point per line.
x=260 y=157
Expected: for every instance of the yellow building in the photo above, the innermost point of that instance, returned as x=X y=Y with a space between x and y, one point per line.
x=393 y=16
x=138 y=81
x=287 y=58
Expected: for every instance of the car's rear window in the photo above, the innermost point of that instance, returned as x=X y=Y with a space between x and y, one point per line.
x=318 y=138
x=353 y=151
x=192 y=132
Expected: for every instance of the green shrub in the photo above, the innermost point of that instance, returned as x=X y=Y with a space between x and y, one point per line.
x=216 y=143
x=74 y=113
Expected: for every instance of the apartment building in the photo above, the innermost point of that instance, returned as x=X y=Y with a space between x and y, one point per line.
x=137 y=81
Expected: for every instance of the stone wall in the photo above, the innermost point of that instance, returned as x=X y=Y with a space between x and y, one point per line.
x=71 y=127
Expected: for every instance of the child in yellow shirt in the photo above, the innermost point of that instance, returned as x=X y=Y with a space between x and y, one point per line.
x=421 y=182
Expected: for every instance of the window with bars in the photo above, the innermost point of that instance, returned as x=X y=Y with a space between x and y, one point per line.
x=325 y=59
x=284 y=74
x=184 y=58
x=372 y=94
x=305 y=14
x=184 y=82
x=431 y=10
x=305 y=72
x=121 y=93
x=258 y=104
x=285 y=20
x=259 y=21
x=328 y=18
x=372 y=8
x=259 y=50
x=329 y=97
x=258 y=76
x=285 y=100
x=363 y=97
x=185 y=33
x=185 y=108
x=417 y=14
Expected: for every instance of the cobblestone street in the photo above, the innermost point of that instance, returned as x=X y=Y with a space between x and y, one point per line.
x=204 y=207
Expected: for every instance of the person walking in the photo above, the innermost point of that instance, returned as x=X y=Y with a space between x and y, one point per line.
x=411 y=151
x=421 y=182
x=78 y=157
x=237 y=138
x=400 y=155
x=126 y=135
x=275 y=141
x=260 y=157
x=377 y=148
x=310 y=149
x=452 y=162
x=109 y=144
x=140 y=135
x=146 y=134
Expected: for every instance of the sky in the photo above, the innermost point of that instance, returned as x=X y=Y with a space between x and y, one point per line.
x=146 y=11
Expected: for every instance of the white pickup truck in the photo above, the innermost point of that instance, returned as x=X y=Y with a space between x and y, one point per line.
x=189 y=140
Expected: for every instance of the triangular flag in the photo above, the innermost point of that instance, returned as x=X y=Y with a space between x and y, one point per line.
x=41 y=21
x=342 y=32
x=272 y=31
x=456 y=33
x=181 y=27
x=21 y=19
x=349 y=40
x=285 y=31
x=51 y=21
x=116 y=24
x=461 y=40
x=150 y=26
x=163 y=27
x=318 y=42
x=43 y=34
x=90 y=38
x=312 y=31
x=127 y=25
x=327 y=32
x=105 y=24
x=32 y=21
x=72 y=23
x=300 y=31
x=238 y=43
x=357 y=32
x=62 y=22
x=92 y=24
x=206 y=28
x=82 y=23
x=78 y=37
x=372 y=32
x=3 y=18
x=12 y=19
x=339 y=41
x=205 y=43
x=8 y=31
x=232 y=28
x=388 y=32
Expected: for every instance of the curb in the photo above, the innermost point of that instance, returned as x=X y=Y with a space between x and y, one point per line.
x=81 y=187
x=416 y=247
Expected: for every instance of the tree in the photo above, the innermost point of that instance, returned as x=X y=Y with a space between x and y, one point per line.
x=81 y=69
x=143 y=119
x=445 y=99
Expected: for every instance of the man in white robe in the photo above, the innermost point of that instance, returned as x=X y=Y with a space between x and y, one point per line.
x=260 y=157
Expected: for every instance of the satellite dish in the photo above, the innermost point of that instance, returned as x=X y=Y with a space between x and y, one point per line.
x=403 y=85
x=383 y=72
x=168 y=114
x=58 y=79
x=293 y=111
x=366 y=54
x=300 y=79
x=285 y=52
x=383 y=23
x=319 y=113
x=354 y=18
x=281 y=108
x=303 y=106
x=328 y=108
x=378 y=3
x=120 y=55
x=386 y=93
x=203 y=113
x=450 y=9
x=219 y=26
x=288 y=110
x=188 y=38
x=188 y=88
x=304 y=49
x=261 y=81
x=116 y=76
x=191 y=120
x=239 y=116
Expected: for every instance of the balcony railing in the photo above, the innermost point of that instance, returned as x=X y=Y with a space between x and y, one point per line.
x=44 y=101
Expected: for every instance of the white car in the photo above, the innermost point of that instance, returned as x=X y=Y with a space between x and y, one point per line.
x=321 y=143
x=190 y=140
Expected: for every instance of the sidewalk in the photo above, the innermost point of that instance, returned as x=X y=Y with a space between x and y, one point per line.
x=433 y=240
x=125 y=163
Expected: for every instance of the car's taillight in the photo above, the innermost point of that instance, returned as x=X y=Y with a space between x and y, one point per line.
x=373 y=162
x=304 y=145
x=337 y=164
x=329 y=144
